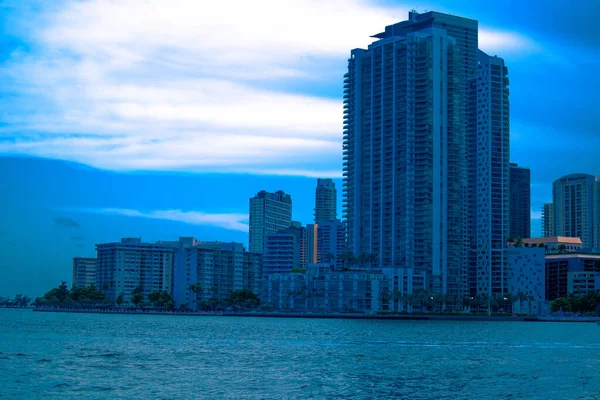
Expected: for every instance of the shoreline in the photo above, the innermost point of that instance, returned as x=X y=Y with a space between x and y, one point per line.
x=339 y=316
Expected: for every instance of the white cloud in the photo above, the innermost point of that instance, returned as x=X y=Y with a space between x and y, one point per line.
x=536 y=215
x=236 y=222
x=156 y=85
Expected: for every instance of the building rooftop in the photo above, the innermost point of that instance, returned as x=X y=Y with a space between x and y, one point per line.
x=573 y=255
x=554 y=239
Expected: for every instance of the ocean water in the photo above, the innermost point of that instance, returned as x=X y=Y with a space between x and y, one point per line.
x=58 y=355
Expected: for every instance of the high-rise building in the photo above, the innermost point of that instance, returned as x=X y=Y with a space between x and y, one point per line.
x=576 y=200
x=124 y=266
x=325 y=201
x=489 y=186
x=331 y=243
x=269 y=213
x=406 y=121
x=216 y=267
x=84 y=271
x=520 y=202
x=548 y=220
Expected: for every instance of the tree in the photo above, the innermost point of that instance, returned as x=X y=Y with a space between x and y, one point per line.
x=562 y=249
x=519 y=242
x=362 y=260
x=372 y=258
x=329 y=257
x=138 y=296
x=120 y=299
x=396 y=296
x=542 y=245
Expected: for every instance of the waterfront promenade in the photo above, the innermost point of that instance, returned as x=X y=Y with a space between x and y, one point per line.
x=407 y=317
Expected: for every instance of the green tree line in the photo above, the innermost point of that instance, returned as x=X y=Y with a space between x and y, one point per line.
x=19 y=300
x=589 y=303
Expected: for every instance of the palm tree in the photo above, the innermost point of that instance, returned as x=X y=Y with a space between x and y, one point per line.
x=562 y=249
x=522 y=297
x=372 y=259
x=329 y=257
x=519 y=242
x=396 y=296
x=362 y=259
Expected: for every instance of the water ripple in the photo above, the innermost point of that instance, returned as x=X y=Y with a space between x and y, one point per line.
x=135 y=357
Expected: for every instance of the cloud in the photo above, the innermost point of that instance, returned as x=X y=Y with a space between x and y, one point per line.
x=536 y=215
x=236 y=222
x=67 y=222
x=186 y=85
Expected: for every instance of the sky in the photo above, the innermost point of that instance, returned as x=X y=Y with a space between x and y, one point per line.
x=160 y=119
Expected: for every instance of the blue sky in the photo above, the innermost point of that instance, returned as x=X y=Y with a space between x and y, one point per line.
x=159 y=119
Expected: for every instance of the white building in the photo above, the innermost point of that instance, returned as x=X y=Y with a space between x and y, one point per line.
x=130 y=263
x=323 y=290
x=552 y=244
x=216 y=267
x=84 y=271
x=548 y=228
x=269 y=213
x=576 y=202
x=527 y=276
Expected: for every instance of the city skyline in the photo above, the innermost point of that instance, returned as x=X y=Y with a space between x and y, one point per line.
x=44 y=202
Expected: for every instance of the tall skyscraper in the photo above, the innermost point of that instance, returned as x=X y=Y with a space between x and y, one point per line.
x=325 y=201
x=269 y=213
x=548 y=220
x=520 y=202
x=489 y=183
x=576 y=200
x=406 y=120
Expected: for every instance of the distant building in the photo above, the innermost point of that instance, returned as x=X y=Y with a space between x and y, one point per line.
x=216 y=267
x=282 y=251
x=553 y=243
x=527 y=276
x=311 y=243
x=548 y=228
x=575 y=274
x=269 y=213
x=84 y=271
x=331 y=239
x=576 y=200
x=126 y=265
x=325 y=201
x=520 y=202
x=321 y=290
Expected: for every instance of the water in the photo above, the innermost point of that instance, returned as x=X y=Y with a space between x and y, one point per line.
x=56 y=355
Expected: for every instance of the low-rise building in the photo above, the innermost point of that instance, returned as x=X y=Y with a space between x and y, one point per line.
x=527 y=278
x=84 y=271
x=320 y=289
x=568 y=274
x=553 y=243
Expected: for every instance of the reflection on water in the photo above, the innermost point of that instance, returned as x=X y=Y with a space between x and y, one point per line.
x=153 y=356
